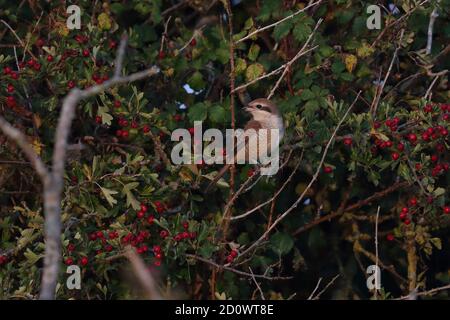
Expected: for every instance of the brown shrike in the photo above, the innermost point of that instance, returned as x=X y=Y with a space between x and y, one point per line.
x=265 y=115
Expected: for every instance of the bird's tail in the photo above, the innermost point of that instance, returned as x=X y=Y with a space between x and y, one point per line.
x=217 y=177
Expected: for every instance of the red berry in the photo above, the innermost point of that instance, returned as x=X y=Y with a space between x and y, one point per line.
x=134 y=124
x=348 y=141
x=144 y=208
x=70 y=247
x=119 y=133
x=327 y=169
x=7 y=70
x=425 y=136
x=428 y=108
x=407 y=222
x=418 y=166
x=413 y=201
x=412 y=137
x=186 y=225
x=233 y=253
x=177 y=117
x=14 y=75
x=178 y=237
x=400 y=146
x=98 y=119
x=430 y=199
x=71 y=84
x=108 y=248
x=146 y=128
x=112 y=44
x=444 y=132
x=158 y=256
x=193 y=42
x=117 y=104
x=250 y=173
x=403 y=215
x=434 y=158
x=140 y=214
x=100 y=234
x=84 y=261
x=405 y=210
x=447 y=210
x=157 y=263
x=85 y=53
x=49 y=58
x=163 y=234
x=150 y=219
x=69 y=261
x=40 y=42
x=230 y=259
x=10 y=88
x=125 y=133
x=191 y=131
x=156 y=249
x=390 y=237
x=395 y=156
x=161 y=55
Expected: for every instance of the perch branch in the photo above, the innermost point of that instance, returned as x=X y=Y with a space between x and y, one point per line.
x=252 y=34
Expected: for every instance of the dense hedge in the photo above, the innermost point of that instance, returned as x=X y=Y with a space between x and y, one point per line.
x=389 y=155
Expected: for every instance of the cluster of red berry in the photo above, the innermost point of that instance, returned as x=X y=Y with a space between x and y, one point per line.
x=233 y=254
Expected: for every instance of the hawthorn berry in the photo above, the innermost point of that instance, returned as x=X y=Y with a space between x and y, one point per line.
x=400 y=146
x=159 y=256
x=14 y=75
x=250 y=173
x=395 y=156
x=40 y=42
x=186 y=225
x=327 y=169
x=156 y=249
x=93 y=236
x=70 y=247
x=413 y=201
x=117 y=104
x=233 y=253
x=412 y=137
x=71 y=84
x=150 y=219
x=163 y=234
x=161 y=55
x=407 y=222
x=157 y=263
x=10 y=88
x=125 y=134
x=49 y=58
x=144 y=208
x=85 y=53
x=428 y=108
x=68 y=261
x=390 y=237
x=348 y=141
x=140 y=214
x=146 y=128
x=84 y=261
x=98 y=119
x=100 y=234
x=108 y=248
x=193 y=42
x=447 y=210
x=7 y=70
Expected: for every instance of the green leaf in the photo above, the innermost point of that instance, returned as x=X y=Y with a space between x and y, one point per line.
x=217 y=114
x=254 y=71
x=282 y=242
x=282 y=29
x=198 y=112
x=196 y=81
x=254 y=52
x=108 y=195
x=131 y=200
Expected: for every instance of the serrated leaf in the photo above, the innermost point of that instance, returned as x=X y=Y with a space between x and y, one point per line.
x=131 y=200
x=254 y=52
x=282 y=242
x=108 y=193
x=254 y=71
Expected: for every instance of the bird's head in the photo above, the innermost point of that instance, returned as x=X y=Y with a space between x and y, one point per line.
x=262 y=109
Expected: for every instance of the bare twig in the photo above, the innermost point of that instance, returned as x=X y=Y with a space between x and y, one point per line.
x=143 y=275
x=257 y=284
x=324 y=289
x=377 y=97
x=17 y=37
x=298 y=55
x=252 y=34
x=313 y=179
x=315 y=289
x=376 y=247
x=227 y=268
x=433 y=16
x=424 y=293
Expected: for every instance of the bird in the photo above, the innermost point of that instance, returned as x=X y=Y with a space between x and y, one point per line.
x=265 y=115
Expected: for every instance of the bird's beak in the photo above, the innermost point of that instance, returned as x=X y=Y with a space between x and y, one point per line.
x=248 y=108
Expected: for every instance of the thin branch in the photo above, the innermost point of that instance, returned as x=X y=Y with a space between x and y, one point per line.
x=21 y=140
x=377 y=97
x=376 y=247
x=17 y=37
x=314 y=178
x=257 y=284
x=315 y=289
x=433 y=16
x=252 y=34
x=325 y=289
x=143 y=275
x=298 y=55
x=227 y=268
x=424 y=293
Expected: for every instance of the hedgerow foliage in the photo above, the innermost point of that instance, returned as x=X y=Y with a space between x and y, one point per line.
x=390 y=156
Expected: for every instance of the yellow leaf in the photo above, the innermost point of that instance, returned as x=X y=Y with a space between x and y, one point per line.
x=104 y=21
x=364 y=51
x=350 y=62
x=37 y=146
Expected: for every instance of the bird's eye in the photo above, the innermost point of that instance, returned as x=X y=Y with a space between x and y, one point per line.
x=258 y=106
